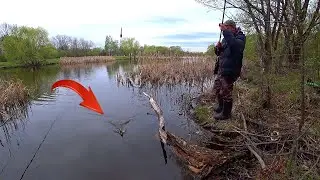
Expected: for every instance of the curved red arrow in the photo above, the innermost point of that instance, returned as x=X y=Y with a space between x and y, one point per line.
x=89 y=100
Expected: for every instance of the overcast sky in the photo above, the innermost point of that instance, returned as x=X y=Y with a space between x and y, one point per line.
x=185 y=23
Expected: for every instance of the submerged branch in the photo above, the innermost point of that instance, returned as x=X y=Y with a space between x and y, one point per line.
x=158 y=111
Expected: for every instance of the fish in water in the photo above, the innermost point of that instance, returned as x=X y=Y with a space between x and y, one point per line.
x=120 y=129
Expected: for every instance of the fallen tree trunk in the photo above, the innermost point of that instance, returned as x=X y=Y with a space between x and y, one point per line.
x=199 y=160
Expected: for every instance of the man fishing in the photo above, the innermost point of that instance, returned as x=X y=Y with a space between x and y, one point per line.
x=228 y=67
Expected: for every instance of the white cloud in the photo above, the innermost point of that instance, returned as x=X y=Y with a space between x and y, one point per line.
x=95 y=19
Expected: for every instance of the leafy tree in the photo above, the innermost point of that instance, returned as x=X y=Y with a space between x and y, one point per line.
x=28 y=46
x=210 y=50
x=130 y=46
x=111 y=46
x=176 y=50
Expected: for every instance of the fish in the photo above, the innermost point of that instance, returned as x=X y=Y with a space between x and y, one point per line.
x=120 y=129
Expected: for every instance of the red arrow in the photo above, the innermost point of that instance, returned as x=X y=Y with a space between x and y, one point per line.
x=89 y=100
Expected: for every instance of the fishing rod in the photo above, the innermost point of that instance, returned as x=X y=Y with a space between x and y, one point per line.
x=121 y=33
x=224 y=9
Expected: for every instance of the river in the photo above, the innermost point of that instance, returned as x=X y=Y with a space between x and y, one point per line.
x=60 y=140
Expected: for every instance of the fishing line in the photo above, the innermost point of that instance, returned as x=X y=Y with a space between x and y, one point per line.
x=25 y=170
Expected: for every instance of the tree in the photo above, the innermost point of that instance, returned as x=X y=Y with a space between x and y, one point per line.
x=111 y=46
x=176 y=50
x=130 y=46
x=268 y=18
x=27 y=45
x=210 y=50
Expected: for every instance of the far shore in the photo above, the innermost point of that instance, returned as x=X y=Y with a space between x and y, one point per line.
x=71 y=60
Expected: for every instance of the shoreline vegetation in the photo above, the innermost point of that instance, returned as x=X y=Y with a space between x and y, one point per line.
x=67 y=61
x=14 y=98
x=256 y=142
x=274 y=130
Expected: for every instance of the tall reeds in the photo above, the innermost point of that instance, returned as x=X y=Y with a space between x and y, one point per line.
x=192 y=71
x=14 y=96
x=85 y=60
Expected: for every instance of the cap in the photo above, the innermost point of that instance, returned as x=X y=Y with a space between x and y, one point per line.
x=230 y=22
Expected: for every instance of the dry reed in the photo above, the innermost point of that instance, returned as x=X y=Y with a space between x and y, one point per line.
x=269 y=133
x=14 y=96
x=85 y=60
x=192 y=71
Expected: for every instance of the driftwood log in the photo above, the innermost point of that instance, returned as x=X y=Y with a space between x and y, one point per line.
x=200 y=160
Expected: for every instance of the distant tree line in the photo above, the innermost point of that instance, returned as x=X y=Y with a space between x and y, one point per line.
x=32 y=46
x=131 y=47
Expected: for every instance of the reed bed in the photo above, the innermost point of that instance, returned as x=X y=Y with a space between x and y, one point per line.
x=85 y=60
x=14 y=96
x=84 y=66
x=169 y=58
x=188 y=71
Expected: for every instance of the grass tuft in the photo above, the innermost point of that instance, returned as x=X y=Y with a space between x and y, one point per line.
x=14 y=95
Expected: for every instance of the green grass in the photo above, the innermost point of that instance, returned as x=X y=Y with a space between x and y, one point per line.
x=52 y=61
x=120 y=58
x=202 y=114
x=9 y=64
x=5 y=64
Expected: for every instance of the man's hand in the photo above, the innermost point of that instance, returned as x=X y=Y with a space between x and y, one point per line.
x=219 y=45
x=222 y=27
x=218 y=48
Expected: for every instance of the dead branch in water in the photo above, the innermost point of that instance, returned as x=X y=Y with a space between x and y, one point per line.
x=199 y=160
x=158 y=111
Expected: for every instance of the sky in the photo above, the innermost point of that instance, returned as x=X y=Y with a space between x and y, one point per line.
x=184 y=23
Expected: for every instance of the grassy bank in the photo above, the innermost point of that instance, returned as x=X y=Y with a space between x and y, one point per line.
x=6 y=65
x=67 y=60
x=267 y=137
x=272 y=133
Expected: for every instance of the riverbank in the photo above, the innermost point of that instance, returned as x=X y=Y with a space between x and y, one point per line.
x=8 y=65
x=267 y=136
x=256 y=142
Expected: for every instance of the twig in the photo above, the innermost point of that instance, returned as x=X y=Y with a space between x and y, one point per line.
x=315 y=164
x=262 y=163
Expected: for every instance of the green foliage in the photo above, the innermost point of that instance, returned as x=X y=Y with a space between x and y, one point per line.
x=28 y=46
x=49 y=52
x=202 y=114
x=129 y=46
x=111 y=46
x=96 y=52
x=250 y=52
x=120 y=58
x=210 y=50
x=177 y=50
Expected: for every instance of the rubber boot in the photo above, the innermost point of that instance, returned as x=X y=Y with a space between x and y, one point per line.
x=226 y=112
x=218 y=109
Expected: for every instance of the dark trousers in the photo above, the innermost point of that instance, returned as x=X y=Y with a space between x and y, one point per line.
x=223 y=87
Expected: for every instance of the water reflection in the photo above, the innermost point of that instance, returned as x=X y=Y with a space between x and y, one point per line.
x=12 y=120
x=37 y=80
x=80 y=143
x=119 y=66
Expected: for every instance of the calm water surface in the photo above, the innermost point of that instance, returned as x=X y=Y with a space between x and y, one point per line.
x=80 y=144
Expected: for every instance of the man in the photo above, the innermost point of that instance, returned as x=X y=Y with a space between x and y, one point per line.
x=228 y=67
